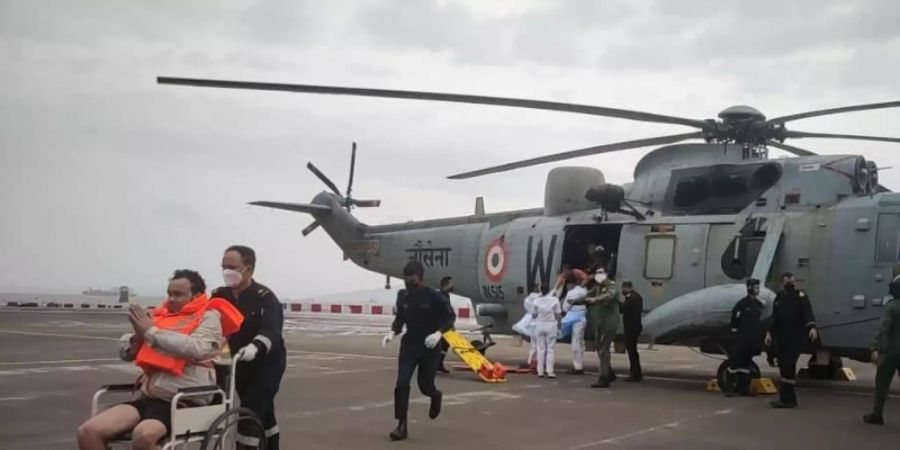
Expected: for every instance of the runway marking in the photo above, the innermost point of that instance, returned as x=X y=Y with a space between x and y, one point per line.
x=673 y=424
x=351 y=355
x=79 y=336
x=15 y=399
x=58 y=361
x=448 y=400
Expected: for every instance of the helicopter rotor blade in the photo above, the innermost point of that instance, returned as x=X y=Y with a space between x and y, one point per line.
x=856 y=137
x=310 y=228
x=829 y=111
x=661 y=140
x=791 y=149
x=444 y=97
x=324 y=179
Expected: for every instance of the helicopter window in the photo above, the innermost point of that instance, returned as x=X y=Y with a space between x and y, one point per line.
x=888 y=248
x=719 y=189
x=659 y=257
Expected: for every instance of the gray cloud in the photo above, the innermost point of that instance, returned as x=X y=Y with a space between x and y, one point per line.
x=106 y=177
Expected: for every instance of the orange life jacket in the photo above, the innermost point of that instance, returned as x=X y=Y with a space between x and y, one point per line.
x=185 y=321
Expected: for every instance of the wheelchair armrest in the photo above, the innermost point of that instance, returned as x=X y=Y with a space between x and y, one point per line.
x=196 y=390
x=110 y=389
x=119 y=387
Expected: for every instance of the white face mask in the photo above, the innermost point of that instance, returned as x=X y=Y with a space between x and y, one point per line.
x=232 y=277
x=600 y=277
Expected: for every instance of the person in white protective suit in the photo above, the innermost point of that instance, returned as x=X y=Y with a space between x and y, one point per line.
x=529 y=313
x=577 y=291
x=546 y=315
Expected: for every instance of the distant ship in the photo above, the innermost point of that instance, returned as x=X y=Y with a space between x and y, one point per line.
x=123 y=291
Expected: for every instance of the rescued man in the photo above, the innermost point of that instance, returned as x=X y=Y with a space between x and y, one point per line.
x=886 y=353
x=173 y=349
x=426 y=316
x=546 y=313
x=792 y=323
x=603 y=314
x=632 y=309
x=573 y=306
x=259 y=344
x=446 y=290
x=747 y=331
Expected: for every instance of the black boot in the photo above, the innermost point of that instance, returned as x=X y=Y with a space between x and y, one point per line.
x=873 y=419
x=635 y=377
x=743 y=386
x=601 y=383
x=612 y=375
x=400 y=433
x=435 y=409
x=786 y=398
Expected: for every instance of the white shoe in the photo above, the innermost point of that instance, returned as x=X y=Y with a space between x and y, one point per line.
x=552 y=375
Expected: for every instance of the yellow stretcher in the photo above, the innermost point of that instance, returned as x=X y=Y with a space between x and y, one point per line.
x=488 y=372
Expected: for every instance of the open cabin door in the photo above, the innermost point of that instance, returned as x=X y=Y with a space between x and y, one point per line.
x=587 y=247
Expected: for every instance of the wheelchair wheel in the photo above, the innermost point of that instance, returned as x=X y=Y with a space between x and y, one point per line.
x=223 y=431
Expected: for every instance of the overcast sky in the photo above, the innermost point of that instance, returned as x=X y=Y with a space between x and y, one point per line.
x=108 y=178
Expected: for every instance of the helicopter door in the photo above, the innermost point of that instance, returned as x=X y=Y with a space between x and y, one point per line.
x=664 y=260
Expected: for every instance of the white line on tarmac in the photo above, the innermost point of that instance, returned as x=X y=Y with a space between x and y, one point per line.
x=79 y=336
x=14 y=399
x=616 y=439
x=351 y=355
x=448 y=400
x=58 y=361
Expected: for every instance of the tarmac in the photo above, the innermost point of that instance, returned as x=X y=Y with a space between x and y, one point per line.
x=337 y=394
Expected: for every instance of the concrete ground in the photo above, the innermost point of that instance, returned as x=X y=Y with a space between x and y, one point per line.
x=337 y=393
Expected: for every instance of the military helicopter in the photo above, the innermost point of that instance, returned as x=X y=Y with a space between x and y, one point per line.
x=698 y=220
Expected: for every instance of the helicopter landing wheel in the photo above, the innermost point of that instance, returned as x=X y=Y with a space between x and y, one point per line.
x=827 y=371
x=727 y=380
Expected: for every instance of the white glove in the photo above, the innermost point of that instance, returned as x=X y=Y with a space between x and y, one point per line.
x=432 y=339
x=248 y=353
x=387 y=339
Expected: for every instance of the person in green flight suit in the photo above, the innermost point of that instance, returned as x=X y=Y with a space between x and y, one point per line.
x=886 y=353
x=603 y=314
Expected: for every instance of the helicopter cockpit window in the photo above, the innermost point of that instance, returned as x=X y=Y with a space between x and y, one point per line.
x=659 y=257
x=719 y=189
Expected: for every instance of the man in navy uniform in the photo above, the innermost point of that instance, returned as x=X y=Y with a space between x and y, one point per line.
x=426 y=316
x=259 y=344
x=792 y=323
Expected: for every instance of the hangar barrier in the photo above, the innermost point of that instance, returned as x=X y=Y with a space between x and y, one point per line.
x=324 y=308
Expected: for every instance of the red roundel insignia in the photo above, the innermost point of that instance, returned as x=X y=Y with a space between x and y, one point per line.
x=495 y=260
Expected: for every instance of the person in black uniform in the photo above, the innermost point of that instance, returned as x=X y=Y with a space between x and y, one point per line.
x=746 y=327
x=792 y=323
x=446 y=290
x=259 y=343
x=631 y=309
x=426 y=315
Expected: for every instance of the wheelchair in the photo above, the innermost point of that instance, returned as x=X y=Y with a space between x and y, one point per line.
x=208 y=427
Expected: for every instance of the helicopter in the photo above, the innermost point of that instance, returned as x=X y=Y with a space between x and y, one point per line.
x=697 y=221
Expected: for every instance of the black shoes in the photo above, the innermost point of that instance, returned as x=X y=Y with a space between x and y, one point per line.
x=872 y=419
x=601 y=384
x=634 y=378
x=435 y=409
x=400 y=433
x=575 y=372
x=778 y=404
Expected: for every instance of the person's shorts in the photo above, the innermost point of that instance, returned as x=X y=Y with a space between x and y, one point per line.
x=154 y=408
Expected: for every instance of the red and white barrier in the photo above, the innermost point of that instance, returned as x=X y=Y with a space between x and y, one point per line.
x=354 y=309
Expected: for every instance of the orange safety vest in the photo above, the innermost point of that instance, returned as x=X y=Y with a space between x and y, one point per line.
x=185 y=321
